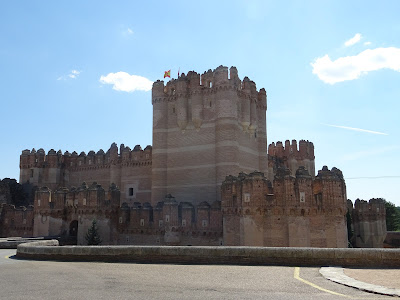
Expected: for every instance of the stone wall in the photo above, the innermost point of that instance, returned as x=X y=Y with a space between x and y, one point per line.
x=299 y=257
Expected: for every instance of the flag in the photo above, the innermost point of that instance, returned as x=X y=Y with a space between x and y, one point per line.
x=178 y=71
x=167 y=74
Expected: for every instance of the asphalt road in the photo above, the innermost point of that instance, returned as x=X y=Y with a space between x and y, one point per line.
x=25 y=279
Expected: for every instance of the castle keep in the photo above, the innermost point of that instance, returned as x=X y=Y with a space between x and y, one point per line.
x=205 y=128
x=206 y=180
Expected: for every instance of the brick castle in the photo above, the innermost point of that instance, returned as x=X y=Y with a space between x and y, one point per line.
x=206 y=180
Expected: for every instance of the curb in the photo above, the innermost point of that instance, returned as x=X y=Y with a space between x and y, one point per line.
x=337 y=275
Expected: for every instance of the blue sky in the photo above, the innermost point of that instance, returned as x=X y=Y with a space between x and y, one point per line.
x=331 y=70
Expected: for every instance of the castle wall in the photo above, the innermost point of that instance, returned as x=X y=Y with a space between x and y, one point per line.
x=128 y=169
x=290 y=212
x=16 y=221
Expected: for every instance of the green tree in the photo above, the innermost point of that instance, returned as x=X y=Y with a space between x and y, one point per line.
x=392 y=216
x=349 y=230
x=92 y=236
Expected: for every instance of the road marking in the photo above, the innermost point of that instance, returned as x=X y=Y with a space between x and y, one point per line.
x=296 y=275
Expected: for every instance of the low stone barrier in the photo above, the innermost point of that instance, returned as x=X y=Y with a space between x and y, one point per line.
x=49 y=250
x=13 y=242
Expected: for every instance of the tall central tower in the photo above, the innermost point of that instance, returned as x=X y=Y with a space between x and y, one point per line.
x=205 y=128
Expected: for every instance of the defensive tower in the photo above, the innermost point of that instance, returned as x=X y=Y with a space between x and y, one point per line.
x=205 y=128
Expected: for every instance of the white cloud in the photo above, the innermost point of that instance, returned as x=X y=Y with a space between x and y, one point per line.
x=352 y=67
x=356 y=129
x=354 y=40
x=367 y=43
x=72 y=74
x=124 y=82
x=126 y=31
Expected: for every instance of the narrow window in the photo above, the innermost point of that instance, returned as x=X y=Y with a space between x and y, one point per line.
x=120 y=220
x=160 y=223
x=302 y=197
x=173 y=109
x=167 y=218
x=38 y=202
x=31 y=173
x=127 y=238
x=204 y=223
x=246 y=197
x=141 y=222
x=183 y=223
x=84 y=201
x=130 y=192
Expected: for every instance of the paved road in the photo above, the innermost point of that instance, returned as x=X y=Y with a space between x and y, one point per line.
x=24 y=279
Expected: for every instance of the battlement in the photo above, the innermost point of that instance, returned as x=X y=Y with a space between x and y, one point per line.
x=326 y=174
x=53 y=159
x=290 y=150
x=211 y=79
x=291 y=156
x=84 y=196
x=373 y=206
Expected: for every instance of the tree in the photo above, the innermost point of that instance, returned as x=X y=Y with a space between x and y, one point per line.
x=392 y=216
x=350 y=232
x=92 y=236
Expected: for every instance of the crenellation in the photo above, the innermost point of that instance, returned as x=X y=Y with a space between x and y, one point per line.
x=291 y=156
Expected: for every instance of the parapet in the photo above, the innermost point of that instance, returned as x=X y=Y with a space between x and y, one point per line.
x=326 y=174
x=290 y=150
x=38 y=159
x=373 y=205
x=193 y=82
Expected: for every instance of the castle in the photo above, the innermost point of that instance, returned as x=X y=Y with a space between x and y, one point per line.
x=206 y=180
